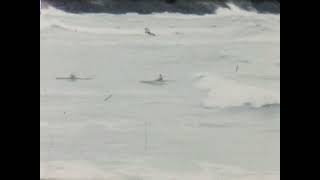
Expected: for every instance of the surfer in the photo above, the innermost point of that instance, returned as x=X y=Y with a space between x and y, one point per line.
x=73 y=77
x=159 y=81
x=160 y=78
x=148 y=32
x=237 y=68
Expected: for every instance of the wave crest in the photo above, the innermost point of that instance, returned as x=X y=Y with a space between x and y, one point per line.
x=154 y=6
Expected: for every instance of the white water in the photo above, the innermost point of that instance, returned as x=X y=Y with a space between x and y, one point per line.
x=207 y=122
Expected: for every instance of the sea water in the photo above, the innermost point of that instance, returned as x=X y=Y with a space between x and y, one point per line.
x=217 y=117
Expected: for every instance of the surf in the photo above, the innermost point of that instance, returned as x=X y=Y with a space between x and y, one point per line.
x=160 y=6
x=229 y=93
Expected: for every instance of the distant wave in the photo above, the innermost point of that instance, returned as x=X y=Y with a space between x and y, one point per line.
x=158 y=6
x=226 y=93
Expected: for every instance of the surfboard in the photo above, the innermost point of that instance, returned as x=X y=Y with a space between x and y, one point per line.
x=155 y=82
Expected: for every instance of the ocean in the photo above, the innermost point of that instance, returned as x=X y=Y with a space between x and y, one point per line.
x=215 y=117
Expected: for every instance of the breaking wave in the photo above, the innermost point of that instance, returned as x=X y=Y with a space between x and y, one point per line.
x=225 y=93
x=158 y=6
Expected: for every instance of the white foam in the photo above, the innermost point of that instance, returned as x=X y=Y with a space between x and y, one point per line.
x=224 y=93
x=67 y=170
x=51 y=11
x=78 y=170
x=234 y=10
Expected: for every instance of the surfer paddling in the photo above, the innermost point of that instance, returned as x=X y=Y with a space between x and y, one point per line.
x=148 y=32
x=72 y=77
x=159 y=81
